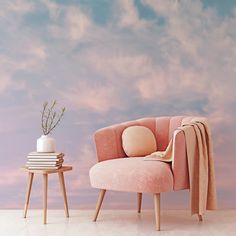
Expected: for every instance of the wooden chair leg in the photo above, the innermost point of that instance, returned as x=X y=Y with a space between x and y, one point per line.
x=45 y=192
x=157 y=210
x=99 y=203
x=139 y=201
x=200 y=217
x=27 y=197
x=63 y=190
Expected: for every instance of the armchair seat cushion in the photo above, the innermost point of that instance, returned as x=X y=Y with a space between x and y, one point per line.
x=132 y=175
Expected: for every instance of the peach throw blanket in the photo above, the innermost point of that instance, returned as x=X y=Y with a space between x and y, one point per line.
x=200 y=164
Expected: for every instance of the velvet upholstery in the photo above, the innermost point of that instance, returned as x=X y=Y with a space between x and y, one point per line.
x=116 y=172
x=132 y=174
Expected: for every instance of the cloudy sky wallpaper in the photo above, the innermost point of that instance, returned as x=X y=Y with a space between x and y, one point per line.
x=109 y=61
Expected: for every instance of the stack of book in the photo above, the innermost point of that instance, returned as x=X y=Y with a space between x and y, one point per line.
x=44 y=160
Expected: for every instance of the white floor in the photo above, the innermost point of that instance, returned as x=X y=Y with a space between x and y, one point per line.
x=116 y=222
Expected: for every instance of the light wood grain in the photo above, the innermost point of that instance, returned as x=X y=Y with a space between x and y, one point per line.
x=45 y=188
x=45 y=192
x=62 y=169
x=63 y=190
x=27 y=197
x=157 y=210
x=139 y=201
x=99 y=203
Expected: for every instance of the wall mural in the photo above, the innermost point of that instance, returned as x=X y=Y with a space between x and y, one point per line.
x=108 y=62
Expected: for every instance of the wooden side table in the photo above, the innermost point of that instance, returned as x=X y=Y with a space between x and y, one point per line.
x=45 y=174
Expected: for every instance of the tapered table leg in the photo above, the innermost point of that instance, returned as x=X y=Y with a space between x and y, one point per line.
x=27 y=197
x=45 y=192
x=139 y=201
x=63 y=189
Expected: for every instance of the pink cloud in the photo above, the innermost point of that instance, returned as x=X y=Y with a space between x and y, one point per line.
x=16 y=6
x=77 y=25
x=86 y=96
x=190 y=56
x=129 y=16
x=11 y=177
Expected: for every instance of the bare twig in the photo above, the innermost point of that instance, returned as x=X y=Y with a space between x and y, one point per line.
x=52 y=118
x=43 y=115
x=58 y=120
x=49 y=113
x=49 y=117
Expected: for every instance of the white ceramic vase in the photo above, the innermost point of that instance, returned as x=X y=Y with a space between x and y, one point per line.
x=46 y=144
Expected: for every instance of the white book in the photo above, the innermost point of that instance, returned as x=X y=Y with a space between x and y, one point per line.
x=46 y=159
x=45 y=153
x=44 y=156
x=43 y=167
x=43 y=162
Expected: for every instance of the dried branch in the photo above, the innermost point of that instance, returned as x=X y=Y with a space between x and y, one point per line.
x=43 y=115
x=49 y=114
x=49 y=121
x=58 y=120
x=52 y=118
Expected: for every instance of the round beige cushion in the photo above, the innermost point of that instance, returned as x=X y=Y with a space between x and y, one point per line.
x=138 y=141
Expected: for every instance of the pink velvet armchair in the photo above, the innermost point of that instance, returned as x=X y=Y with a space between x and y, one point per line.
x=115 y=171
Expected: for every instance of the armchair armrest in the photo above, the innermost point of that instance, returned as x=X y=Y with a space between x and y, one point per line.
x=179 y=163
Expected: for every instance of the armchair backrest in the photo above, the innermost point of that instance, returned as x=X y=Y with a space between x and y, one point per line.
x=108 y=139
